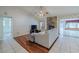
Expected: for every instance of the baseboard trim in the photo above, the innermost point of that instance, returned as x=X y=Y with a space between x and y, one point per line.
x=19 y=36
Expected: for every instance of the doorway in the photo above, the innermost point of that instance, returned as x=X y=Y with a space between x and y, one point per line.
x=7 y=33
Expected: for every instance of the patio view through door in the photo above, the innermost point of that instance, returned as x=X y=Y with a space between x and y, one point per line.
x=7 y=27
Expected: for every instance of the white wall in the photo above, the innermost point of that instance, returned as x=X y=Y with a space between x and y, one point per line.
x=1 y=29
x=20 y=20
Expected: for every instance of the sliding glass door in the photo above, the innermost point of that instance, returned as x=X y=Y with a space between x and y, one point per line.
x=72 y=28
x=5 y=27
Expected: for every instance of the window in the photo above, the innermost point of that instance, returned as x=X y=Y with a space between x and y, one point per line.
x=77 y=25
x=72 y=25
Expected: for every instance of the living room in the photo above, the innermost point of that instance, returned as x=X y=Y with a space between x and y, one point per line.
x=37 y=29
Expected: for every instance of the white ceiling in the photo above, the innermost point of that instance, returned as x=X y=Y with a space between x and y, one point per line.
x=52 y=10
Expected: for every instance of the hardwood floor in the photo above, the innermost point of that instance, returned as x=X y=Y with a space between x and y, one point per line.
x=29 y=46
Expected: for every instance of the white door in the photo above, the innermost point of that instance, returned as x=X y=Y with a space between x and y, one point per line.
x=1 y=28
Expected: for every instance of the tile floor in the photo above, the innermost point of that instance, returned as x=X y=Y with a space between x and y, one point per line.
x=9 y=45
x=66 y=44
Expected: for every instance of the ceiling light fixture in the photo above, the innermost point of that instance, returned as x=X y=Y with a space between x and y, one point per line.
x=42 y=12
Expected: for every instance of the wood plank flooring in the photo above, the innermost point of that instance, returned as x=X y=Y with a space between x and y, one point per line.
x=29 y=46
